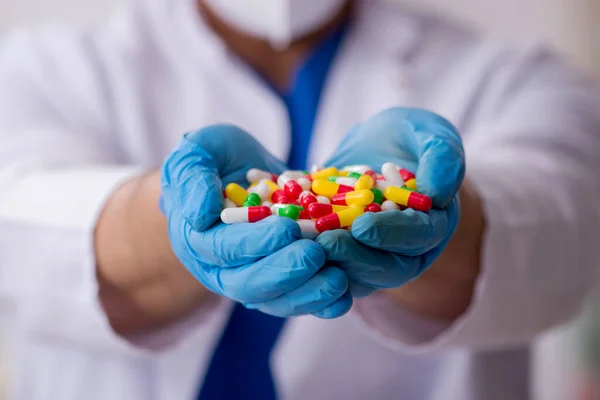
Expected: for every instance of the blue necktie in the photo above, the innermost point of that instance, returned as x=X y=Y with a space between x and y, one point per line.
x=240 y=369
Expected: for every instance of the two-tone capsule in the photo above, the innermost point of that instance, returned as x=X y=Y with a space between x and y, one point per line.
x=338 y=220
x=286 y=210
x=407 y=198
x=245 y=214
x=291 y=187
x=358 y=197
x=329 y=189
x=308 y=229
x=367 y=181
x=318 y=210
x=306 y=199
x=253 y=199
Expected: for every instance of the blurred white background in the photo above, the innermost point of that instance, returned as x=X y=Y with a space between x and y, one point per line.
x=570 y=25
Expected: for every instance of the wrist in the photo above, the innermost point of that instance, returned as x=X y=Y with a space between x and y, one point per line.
x=142 y=285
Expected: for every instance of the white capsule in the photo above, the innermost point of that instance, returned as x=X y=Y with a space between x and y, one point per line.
x=381 y=184
x=389 y=206
x=261 y=189
x=229 y=204
x=346 y=181
x=255 y=175
x=315 y=168
x=308 y=229
x=392 y=175
x=294 y=174
x=305 y=183
x=267 y=204
x=361 y=169
x=323 y=200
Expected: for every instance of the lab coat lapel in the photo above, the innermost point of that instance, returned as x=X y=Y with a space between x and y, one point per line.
x=359 y=87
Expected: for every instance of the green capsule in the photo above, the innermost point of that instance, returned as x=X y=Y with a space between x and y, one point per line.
x=252 y=200
x=290 y=211
x=354 y=175
x=378 y=196
x=333 y=178
x=404 y=187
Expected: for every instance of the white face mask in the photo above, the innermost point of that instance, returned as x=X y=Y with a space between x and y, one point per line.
x=278 y=21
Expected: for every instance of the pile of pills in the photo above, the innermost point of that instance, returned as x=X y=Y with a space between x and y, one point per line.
x=323 y=199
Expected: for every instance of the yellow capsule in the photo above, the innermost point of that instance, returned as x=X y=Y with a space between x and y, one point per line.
x=329 y=189
x=411 y=184
x=325 y=173
x=236 y=193
x=349 y=215
x=344 y=173
x=397 y=195
x=365 y=182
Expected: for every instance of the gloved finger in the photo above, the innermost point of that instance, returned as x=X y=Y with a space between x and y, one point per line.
x=439 y=150
x=191 y=174
x=319 y=292
x=375 y=268
x=337 y=309
x=414 y=139
x=270 y=277
x=236 y=245
x=407 y=232
x=191 y=186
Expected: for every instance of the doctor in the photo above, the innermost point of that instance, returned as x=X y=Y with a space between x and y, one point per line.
x=118 y=298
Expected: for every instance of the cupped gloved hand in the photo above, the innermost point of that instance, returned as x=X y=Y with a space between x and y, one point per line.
x=389 y=249
x=264 y=265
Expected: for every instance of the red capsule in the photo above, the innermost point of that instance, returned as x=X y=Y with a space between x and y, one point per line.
x=304 y=214
x=373 y=207
x=406 y=175
x=292 y=189
x=307 y=200
x=280 y=197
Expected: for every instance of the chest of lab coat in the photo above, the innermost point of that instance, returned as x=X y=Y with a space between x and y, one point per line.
x=156 y=73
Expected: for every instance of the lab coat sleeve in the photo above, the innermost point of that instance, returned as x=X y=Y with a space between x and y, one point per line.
x=534 y=156
x=59 y=162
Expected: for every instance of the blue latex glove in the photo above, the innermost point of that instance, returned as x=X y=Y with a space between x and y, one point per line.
x=389 y=249
x=264 y=265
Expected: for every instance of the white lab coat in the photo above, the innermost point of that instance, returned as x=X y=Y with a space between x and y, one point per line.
x=82 y=111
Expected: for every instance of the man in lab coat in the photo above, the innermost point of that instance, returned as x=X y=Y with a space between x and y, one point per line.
x=118 y=298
